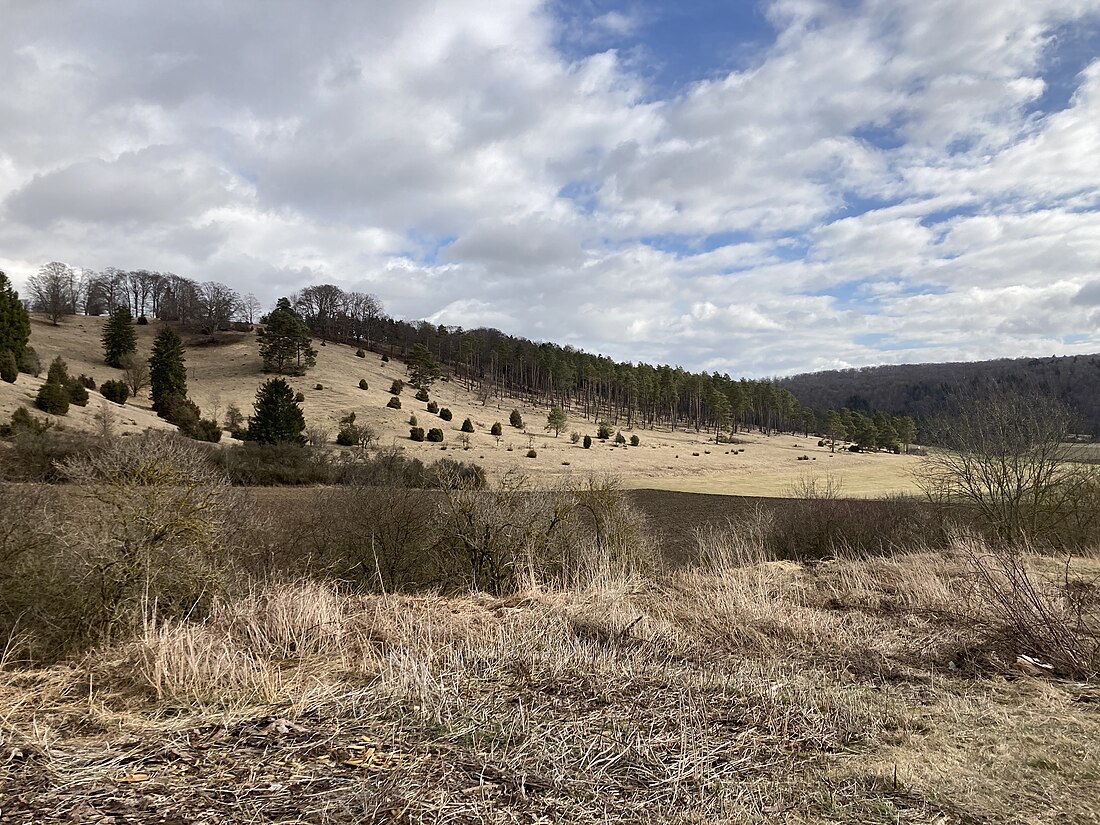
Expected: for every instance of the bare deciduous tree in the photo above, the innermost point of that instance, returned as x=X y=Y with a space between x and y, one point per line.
x=54 y=290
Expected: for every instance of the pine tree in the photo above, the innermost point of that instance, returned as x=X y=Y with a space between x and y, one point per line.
x=119 y=338
x=277 y=418
x=556 y=420
x=15 y=324
x=9 y=369
x=423 y=368
x=285 y=342
x=167 y=373
x=835 y=429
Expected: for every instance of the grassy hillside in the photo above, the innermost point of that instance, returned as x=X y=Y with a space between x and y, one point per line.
x=228 y=370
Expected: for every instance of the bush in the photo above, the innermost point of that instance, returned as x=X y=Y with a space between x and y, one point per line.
x=422 y=394
x=620 y=438
x=87 y=381
x=397 y=386
x=318 y=386
x=299 y=397
x=116 y=391
x=9 y=368
x=78 y=393
x=142 y=321
x=416 y=433
x=433 y=408
x=496 y=429
x=635 y=441
x=516 y=420
x=394 y=403
x=587 y=442
x=363 y=384
x=412 y=421
x=603 y=431
x=360 y=354
x=532 y=454
x=435 y=434
x=575 y=437
x=205 y=429
x=347 y=437
x=385 y=359
x=445 y=414
x=467 y=426
x=29 y=363
x=52 y=398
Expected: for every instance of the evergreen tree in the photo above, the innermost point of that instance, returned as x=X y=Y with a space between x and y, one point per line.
x=119 y=338
x=556 y=420
x=9 y=369
x=906 y=429
x=167 y=373
x=835 y=429
x=15 y=324
x=285 y=342
x=423 y=368
x=277 y=418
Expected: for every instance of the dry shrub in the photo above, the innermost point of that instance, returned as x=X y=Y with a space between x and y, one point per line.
x=1052 y=617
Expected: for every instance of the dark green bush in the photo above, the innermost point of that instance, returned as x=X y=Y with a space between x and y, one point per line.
x=360 y=354
x=30 y=363
x=587 y=442
x=117 y=391
x=385 y=359
x=9 y=368
x=299 y=397
x=142 y=321
x=445 y=414
x=433 y=408
x=496 y=429
x=516 y=420
x=421 y=394
x=435 y=434
x=467 y=426
x=394 y=403
x=318 y=386
x=363 y=384
x=397 y=386
x=52 y=398
x=87 y=381
x=620 y=438
x=603 y=431
x=635 y=441
x=532 y=454
x=347 y=437
x=78 y=393
x=416 y=433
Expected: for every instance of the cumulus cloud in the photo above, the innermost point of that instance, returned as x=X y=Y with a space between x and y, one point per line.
x=876 y=184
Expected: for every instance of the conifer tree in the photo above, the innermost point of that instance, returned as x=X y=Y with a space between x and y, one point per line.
x=15 y=324
x=285 y=342
x=423 y=368
x=277 y=418
x=167 y=373
x=119 y=338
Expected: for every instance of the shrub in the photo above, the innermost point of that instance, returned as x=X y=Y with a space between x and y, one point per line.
x=532 y=454
x=205 y=429
x=360 y=354
x=87 y=381
x=385 y=359
x=575 y=437
x=142 y=321
x=299 y=397
x=29 y=363
x=445 y=414
x=318 y=386
x=347 y=437
x=394 y=403
x=435 y=434
x=516 y=420
x=9 y=368
x=496 y=429
x=363 y=384
x=620 y=438
x=412 y=421
x=422 y=394
x=603 y=431
x=52 y=398
x=587 y=442
x=78 y=393
x=467 y=426
x=416 y=433
x=22 y=419
x=397 y=386
x=634 y=440
x=116 y=391
x=433 y=408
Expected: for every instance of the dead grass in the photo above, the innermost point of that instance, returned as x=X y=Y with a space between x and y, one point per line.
x=767 y=692
x=230 y=373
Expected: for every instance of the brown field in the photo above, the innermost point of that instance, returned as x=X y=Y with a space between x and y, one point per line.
x=229 y=372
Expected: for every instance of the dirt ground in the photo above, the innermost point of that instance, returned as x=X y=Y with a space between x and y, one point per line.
x=229 y=371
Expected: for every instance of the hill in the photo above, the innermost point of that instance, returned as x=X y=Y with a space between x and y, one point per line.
x=921 y=390
x=227 y=370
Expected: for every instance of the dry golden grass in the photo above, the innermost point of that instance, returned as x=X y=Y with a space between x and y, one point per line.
x=680 y=460
x=764 y=693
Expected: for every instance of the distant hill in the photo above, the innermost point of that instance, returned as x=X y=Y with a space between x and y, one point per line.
x=921 y=390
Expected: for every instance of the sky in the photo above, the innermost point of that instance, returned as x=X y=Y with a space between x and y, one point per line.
x=755 y=188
